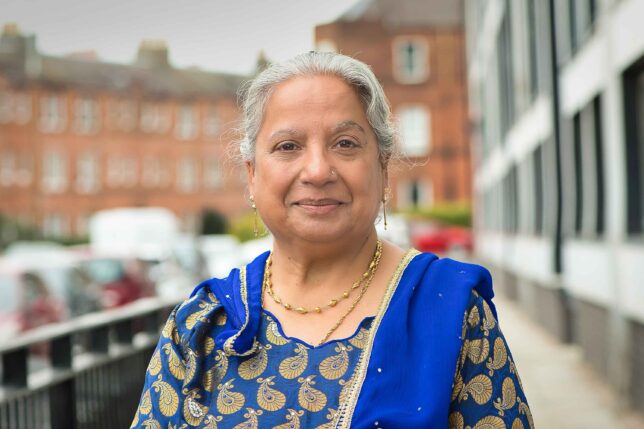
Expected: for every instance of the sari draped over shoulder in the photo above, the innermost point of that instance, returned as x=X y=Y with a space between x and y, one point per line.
x=406 y=372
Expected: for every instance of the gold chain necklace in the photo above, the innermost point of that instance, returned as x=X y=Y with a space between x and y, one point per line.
x=268 y=285
x=365 y=281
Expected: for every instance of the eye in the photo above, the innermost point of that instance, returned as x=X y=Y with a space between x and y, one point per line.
x=346 y=144
x=286 y=147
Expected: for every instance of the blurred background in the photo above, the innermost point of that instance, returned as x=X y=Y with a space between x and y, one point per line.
x=522 y=138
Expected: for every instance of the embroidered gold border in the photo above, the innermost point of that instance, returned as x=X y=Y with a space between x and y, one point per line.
x=345 y=413
x=228 y=345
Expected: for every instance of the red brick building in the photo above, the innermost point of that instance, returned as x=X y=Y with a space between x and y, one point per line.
x=417 y=50
x=78 y=135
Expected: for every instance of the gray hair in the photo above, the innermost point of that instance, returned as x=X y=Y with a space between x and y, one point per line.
x=357 y=74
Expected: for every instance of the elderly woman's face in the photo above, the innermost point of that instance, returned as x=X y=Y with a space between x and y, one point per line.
x=317 y=174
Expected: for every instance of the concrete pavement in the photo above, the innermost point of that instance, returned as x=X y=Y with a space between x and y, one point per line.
x=562 y=389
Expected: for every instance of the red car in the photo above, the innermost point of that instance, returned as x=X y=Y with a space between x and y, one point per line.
x=443 y=239
x=26 y=302
x=121 y=280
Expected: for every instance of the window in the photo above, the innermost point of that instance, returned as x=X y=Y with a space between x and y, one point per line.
x=415 y=127
x=121 y=171
x=151 y=177
x=537 y=168
x=634 y=116
x=87 y=174
x=187 y=175
x=506 y=73
x=510 y=202
x=211 y=123
x=82 y=224
x=411 y=59
x=186 y=128
x=7 y=167
x=53 y=114
x=150 y=118
x=22 y=108
x=213 y=177
x=54 y=178
x=589 y=171
x=416 y=193
x=86 y=116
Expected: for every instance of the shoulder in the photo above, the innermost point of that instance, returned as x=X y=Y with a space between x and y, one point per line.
x=196 y=311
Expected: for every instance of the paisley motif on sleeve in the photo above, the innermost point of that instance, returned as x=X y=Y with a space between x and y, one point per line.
x=486 y=393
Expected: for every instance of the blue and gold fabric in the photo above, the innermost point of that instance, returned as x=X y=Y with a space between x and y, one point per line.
x=433 y=357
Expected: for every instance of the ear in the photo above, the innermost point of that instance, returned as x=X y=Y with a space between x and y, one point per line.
x=250 y=176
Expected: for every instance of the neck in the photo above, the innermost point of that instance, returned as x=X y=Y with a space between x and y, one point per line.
x=314 y=272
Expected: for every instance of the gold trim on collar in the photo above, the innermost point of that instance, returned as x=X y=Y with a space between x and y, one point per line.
x=346 y=410
x=228 y=344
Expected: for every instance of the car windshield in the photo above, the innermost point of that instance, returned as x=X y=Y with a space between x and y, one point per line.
x=104 y=271
x=8 y=288
x=57 y=280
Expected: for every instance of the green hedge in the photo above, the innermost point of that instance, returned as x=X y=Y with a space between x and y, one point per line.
x=450 y=214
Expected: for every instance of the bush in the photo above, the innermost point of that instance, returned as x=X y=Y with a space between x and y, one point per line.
x=244 y=227
x=213 y=222
x=450 y=214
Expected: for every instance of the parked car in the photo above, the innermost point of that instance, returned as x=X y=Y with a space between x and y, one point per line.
x=443 y=239
x=26 y=302
x=120 y=280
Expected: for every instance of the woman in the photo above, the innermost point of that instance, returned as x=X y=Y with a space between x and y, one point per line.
x=333 y=327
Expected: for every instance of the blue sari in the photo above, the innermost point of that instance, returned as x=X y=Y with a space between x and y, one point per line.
x=433 y=356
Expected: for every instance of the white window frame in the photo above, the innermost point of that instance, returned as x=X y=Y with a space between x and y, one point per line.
x=53 y=113
x=54 y=171
x=87 y=173
x=186 y=127
x=421 y=72
x=186 y=175
x=411 y=144
x=86 y=116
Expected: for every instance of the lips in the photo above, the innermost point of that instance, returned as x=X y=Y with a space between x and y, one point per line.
x=318 y=206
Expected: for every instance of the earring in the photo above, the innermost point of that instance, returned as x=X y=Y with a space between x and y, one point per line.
x=385 y=198
x=254 y=207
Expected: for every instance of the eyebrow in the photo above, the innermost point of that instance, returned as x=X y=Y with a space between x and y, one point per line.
x=341 y=126
x=349 y=124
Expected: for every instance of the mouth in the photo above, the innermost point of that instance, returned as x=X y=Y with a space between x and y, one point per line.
x=319 y=206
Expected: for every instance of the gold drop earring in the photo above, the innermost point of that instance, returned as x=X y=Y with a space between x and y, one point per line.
x=385 y=198
x=254 y=207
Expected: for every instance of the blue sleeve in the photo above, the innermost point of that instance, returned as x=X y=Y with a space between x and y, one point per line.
x=159 y=404
x=487 y=389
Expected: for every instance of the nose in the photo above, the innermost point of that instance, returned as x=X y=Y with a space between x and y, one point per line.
x=317 y=168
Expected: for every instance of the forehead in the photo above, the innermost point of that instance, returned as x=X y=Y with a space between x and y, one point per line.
x=315 y=97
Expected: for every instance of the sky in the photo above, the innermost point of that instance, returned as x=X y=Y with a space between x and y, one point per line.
x=215 y=35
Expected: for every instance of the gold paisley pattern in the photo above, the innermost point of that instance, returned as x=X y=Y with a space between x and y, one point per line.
x=508 y=396
x=193 y=411
x=478 y=350
x=485 y=393
x=168 y=398
x=293 y=367
x=490 y=422
x=336 y=366
x=360 y=339
x=214 y=375
x=146 y=403
x=500 y=356
x=268 y=398
x=175 y=364
x=274 y=336
x=310 y=398
x=229 y=402
x=479 y=388
x=154 y=367
x=456 y=421
x=292 y=420
x=255 y=365
x=251 y=422
x=284 y=383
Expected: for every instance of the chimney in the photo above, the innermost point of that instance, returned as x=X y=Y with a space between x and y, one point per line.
x=19 y=49
x=153 y=54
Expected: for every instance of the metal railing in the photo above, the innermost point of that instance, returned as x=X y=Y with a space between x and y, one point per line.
x=85 y=373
